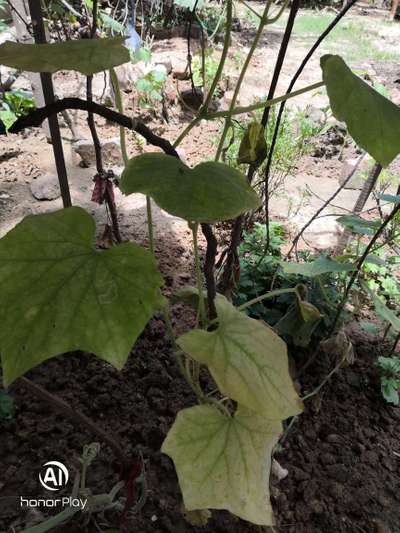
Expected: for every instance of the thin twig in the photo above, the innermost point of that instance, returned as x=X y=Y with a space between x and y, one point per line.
x=306 y=59
x=59 y=404
x=209 y=268
x=277 y=71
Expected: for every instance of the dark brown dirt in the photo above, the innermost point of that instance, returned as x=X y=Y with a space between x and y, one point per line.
x=343 y=455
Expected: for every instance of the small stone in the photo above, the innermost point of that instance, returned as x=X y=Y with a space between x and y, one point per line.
x=334 y=439
x=167 y=64
x=46 y=187
x=110 y=150
x=278 y=471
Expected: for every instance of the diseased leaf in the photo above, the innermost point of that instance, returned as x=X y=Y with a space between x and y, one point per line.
x=87 y=56
x=209 y=192
x=253 y=147
x=248 y=361
x=59 y=294
x=372 y=120
x=299 y=322
x=224 y=462
x=308 y=311
x=322 y=265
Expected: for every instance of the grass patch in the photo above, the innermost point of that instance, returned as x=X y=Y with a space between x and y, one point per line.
x=356 y=39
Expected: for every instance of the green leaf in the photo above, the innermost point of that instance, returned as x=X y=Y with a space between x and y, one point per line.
x=87 y=56
x=224 y=462
x=391 y=365
x=372 y=120
x=143 y=54
x=111 y=23
x=390 y=390
x=322 y=265
x=359 y=225
x=8 y=118
x=59 y=294
x=247 y=360
x=253 y=147
x=209 y=192
x=391 y=198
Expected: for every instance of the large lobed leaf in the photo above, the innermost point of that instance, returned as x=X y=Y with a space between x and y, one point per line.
x=224 y=462
x=59 y=294
x=248 y=361
x=372 y=120
x=87 y=56
x=209 y=192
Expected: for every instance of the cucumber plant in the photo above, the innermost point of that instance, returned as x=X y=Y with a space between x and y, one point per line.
x=59 y=293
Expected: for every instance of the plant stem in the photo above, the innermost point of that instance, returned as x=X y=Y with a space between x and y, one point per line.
x=201 y=310
x=272 y=294
x=263 y=104
x=327 y=378
x=253 y=48
x=209 y=266
x=150 y=224
x=120 y=106
x=306 y=59
x=264 y=121
x=96 y=141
